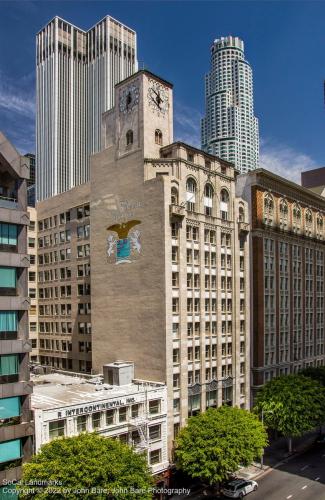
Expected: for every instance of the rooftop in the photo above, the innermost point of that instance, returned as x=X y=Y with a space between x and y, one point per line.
x=57 y=390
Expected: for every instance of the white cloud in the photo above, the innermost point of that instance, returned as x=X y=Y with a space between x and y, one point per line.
x=187 y=124
x=284 y=160
x=17 y=99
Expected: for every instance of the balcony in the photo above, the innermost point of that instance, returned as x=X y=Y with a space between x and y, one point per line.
x=8 y=202
x=9 y=379
x=8 y=248
x=243 y=227
x=177 y=211
x=17 y=430
x=8 y=335
x=15 y=346
x=11 y=471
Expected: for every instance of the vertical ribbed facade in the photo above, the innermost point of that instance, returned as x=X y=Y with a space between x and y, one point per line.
x=76 y=75
x=230 y=129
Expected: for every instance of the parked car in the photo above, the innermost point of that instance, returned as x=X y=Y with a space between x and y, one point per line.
x=239 y=488
x=320 y=439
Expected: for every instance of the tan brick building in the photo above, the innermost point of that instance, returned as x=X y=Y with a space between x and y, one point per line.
x=169 y=257
x=287 y=275
x=64 y=281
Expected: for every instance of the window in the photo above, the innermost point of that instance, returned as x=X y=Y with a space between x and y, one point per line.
x=154 y=432
x=81 y=423
x=10 y=450
x=9 y=364
x=155 y=457
x=8 y=234
x=56 y=428
x=8 y=278
x=122 y=413
x=135 y=411
x=110 y=417
x=158 y=137
x=224 y=204
x=176 y=355
x=96 y=420
x=296 y=212
x=176 y=405
x=8 y=321
x=208 y=199
x=129 y=137
x=190 y=194
x=176 y=380
x=124 y=438
x=174 y=196
x=154 y=407
x=10 y=407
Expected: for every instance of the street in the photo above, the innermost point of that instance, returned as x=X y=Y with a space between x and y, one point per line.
x=302 y=478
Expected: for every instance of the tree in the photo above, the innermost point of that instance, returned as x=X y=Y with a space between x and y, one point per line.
x=291 y=404
x=315 y=372
x=215 y=443
x=81 y=466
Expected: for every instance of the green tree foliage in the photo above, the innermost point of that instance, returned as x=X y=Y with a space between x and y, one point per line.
x=83 y=465
x=315 y=372
x=292 y=404
x=215 y=443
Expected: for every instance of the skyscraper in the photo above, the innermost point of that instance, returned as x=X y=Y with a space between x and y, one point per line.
x=76 y=74
x=229 y=128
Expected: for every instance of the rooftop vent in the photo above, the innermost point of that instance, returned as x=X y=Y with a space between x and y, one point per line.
x=118 y=373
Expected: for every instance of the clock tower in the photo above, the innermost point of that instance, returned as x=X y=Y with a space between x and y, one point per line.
x=143 y=116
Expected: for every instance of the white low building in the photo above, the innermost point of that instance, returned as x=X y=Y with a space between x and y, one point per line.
x=133 y=411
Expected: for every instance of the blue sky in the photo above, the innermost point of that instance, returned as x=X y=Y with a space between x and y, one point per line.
x=284 y=42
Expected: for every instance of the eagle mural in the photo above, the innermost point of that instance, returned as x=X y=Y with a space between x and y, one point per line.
x=126 y=241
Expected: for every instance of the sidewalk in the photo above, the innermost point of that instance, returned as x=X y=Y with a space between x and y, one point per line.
x=277 y=453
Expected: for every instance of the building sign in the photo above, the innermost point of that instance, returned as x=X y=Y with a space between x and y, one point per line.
x=72 y=412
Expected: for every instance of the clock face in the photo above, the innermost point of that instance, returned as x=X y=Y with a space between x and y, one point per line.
x=158 y=97
x=129 y=98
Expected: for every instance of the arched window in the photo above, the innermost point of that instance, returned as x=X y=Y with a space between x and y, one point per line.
x=129 y=137
x=268 y=208
x=158 y=137
x=241 y=214
x=319 y=225
x=308 y=222
x=224 y=204
x=296 y=218
x=283 y=214
x=208 y=199
x=174 y=196
x=190 y=194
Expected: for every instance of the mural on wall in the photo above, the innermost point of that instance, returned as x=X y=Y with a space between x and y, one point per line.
x=126 y=244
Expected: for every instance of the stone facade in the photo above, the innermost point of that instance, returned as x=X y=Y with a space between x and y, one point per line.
x=64 y=281
x=287 y=275
x=169 y=257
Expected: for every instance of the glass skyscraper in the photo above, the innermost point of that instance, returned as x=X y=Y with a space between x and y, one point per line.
x=230 y=129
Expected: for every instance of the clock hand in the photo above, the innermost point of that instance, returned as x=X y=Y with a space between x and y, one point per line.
x=159 y=100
